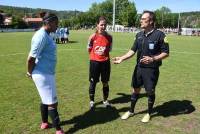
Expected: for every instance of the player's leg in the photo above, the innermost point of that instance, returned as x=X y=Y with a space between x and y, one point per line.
x=52 y=105
x=150 y=77
x=47 y=90
x=94 y=74
x=44 y=115
x=53 y=113
x=136 y=83
x=105 y=77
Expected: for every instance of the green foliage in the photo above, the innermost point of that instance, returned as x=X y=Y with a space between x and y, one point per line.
x=125 y=11
x=103 y=9
x=1 y=19
x=128 y=16
x=31 y=12
x=18 y=23
x=164 y=18
x=190 y=19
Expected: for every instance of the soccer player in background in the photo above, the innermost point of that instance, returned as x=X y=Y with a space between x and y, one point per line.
x=99 y=46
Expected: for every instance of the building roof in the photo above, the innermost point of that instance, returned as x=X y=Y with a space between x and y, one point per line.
x=33 y=19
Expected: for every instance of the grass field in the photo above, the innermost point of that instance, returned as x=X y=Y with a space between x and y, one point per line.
x=177 y=105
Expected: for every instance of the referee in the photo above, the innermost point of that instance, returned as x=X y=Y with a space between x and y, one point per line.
x=151 y=46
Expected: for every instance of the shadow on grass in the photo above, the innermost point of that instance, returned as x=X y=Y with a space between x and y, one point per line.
x=100 y=115
x=69 y=42
x=172 y=108
x=124 y=98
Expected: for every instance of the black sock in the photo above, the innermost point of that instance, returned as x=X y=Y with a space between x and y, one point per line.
x=151 y=100
x=134 y=98
x=92 y=90
x=44 y=112
x=105 y=92
x=53 y=113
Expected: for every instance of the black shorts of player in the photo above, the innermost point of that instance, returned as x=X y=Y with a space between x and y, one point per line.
x=98 y=69
x=144 y=76
x=62 y=39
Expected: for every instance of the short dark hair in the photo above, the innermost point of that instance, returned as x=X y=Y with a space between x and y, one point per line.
x=152 y=15
x=48 y=17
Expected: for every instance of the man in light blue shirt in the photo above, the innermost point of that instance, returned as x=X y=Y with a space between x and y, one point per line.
x=41 y=65
x=43 y=49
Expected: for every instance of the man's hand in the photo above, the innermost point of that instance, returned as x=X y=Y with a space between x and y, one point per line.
x=147 y=60
x=117 y=60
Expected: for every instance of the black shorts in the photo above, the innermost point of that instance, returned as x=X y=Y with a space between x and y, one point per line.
x=98 y=69
x=62 y=39
x=147 y=77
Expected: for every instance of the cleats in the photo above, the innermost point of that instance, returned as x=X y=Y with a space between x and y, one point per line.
x=146 y=118
x=126 y=115
x=44 y=125
x=91 y=105
x=106 y=104
x=60 y=131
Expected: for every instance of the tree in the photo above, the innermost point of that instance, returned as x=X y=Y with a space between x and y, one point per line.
x=17 y=22
x=125 y=12
x=102 y=9
x=162 y=15
x=166 y=19
x=1 y=18
x=128 y=15
x=137 y=21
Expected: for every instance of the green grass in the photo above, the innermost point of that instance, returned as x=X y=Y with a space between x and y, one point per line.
x=177 y=106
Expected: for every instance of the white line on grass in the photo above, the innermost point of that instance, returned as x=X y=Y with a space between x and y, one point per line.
x=119 y=49
x=185 y=52
x=3 y=55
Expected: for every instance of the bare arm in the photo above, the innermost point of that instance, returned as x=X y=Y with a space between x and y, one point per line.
x=30 y=65
x=148 y=59
x=118 y=60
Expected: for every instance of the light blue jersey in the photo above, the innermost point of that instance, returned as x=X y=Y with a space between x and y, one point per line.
x=43 y=48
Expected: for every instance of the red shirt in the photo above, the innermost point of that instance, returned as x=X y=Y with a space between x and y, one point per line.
x=99 y=47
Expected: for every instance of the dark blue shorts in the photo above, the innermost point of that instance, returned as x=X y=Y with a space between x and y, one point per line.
x=98 y=69
x=147 y=77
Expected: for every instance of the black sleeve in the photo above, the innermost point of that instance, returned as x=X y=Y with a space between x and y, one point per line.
x=135 y=44
x=164 y=45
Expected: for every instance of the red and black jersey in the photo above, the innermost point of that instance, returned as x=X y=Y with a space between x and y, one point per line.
x=99 y=46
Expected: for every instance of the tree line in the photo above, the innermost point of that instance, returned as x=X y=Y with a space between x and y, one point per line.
x=126 y=15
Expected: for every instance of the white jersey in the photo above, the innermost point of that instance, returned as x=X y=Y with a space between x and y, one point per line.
x=53 y=35
x=57 y=33
x=62 y=32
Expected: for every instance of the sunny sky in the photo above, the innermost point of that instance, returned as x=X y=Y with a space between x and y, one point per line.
x=84 y=5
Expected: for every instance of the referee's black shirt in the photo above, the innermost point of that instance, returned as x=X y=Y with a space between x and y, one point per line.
x=150 y=44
